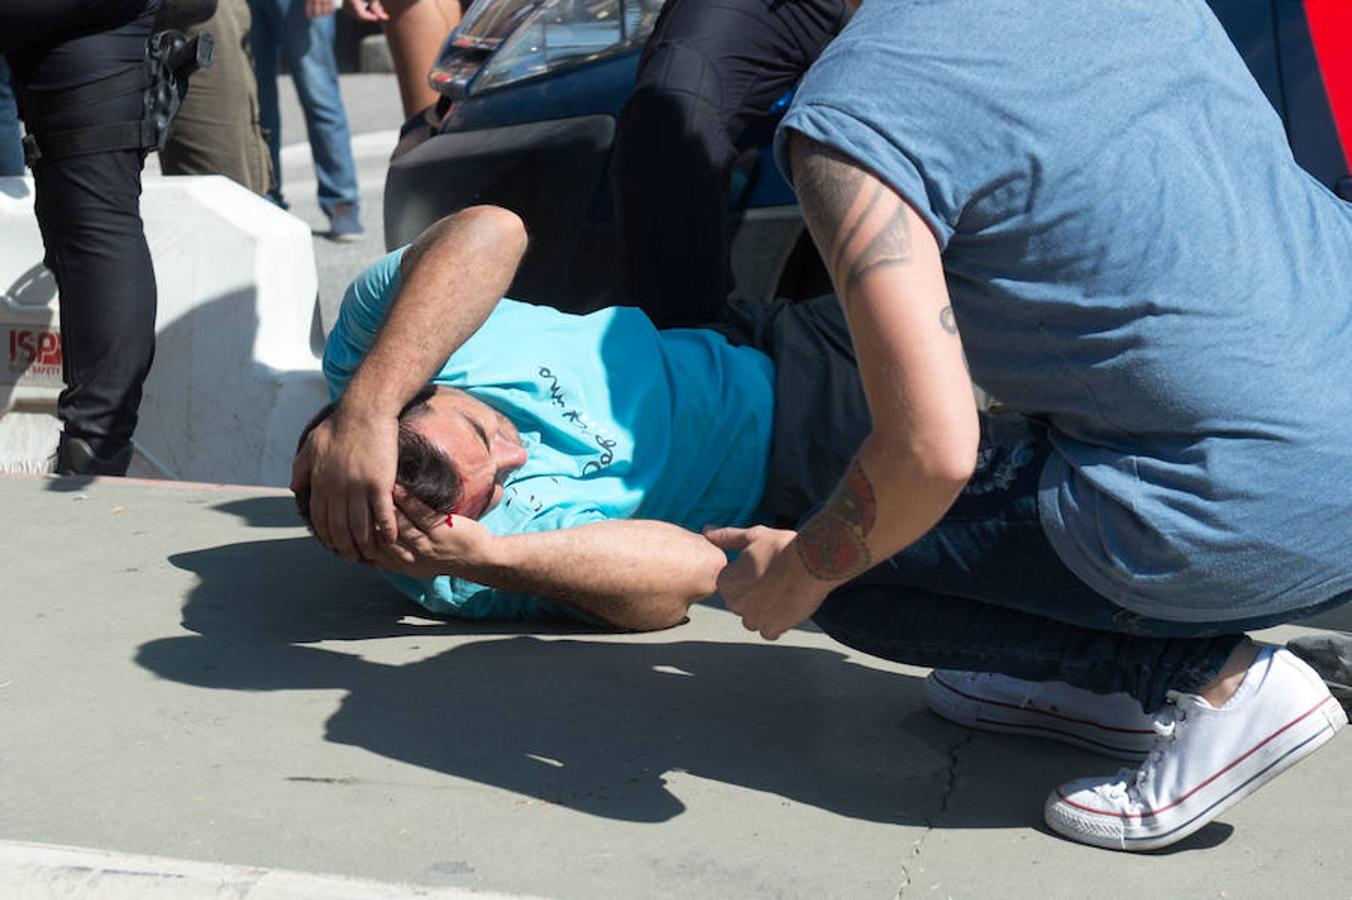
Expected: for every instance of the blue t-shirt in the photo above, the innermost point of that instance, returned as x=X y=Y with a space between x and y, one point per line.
x=618 y=420
x=1133 y=255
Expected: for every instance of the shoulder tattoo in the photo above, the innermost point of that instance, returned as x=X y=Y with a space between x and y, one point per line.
x=858 y=222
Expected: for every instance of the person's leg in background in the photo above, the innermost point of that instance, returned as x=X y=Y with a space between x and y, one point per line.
x=11 y=136
x=984 y=591
x=266 y=37
x=307 y=47
x=88 y=208
x=710 y=70
x=217 y=129
x=415 y=30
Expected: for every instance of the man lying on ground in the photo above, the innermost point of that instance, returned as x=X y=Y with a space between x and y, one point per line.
x=580 y=455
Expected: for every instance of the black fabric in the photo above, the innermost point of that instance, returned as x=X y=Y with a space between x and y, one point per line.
x=708 y=76
x=821 y=415
x=182 y=14
x=39 y=104
x=37 y=24
x=95 y=139
x=88 y=207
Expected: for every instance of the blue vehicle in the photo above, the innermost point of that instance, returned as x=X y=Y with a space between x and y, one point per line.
x=532 y=89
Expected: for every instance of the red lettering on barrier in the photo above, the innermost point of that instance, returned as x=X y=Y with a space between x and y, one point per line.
x=49 y=349
x=34 y=350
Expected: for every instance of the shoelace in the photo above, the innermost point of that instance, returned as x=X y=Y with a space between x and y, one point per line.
x=1128 y=783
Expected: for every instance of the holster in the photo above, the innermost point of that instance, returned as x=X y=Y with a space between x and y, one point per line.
x=162 y=80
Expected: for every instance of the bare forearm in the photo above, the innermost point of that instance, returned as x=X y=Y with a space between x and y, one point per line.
x=637 y=574
x=845 y=538
x=888 y=273
x=453 y=276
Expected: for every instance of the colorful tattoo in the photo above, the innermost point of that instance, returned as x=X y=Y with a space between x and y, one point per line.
x=832 y=545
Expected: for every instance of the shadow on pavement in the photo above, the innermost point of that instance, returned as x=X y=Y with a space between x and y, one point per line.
x=69 y=484
x=592 y=725
x=275 y=511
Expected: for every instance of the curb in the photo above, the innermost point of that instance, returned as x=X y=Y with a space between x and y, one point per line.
x=39 y=871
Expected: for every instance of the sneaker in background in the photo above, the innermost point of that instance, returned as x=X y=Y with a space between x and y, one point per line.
x=345 y=223
x=1111 y=724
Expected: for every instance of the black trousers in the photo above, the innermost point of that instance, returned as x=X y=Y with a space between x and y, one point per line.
x=708 y=77
x=821 y=414
x=88 y=207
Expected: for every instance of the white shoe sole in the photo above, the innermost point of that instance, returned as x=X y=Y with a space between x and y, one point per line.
x=984 y=714
x=1249 y=771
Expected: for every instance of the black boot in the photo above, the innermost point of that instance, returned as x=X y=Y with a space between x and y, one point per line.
x=76 y=456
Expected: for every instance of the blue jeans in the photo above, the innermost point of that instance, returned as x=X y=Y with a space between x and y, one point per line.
x=282 y=30
x=985 y=591
x=11 y=138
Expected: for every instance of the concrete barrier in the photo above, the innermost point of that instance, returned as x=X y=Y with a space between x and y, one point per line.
x=236 y=369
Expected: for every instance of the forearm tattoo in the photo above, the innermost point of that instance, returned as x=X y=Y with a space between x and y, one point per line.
x=832 y=545
x=859 y=223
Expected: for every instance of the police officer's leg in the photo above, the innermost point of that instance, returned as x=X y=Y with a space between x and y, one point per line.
x=710 y=68
x=88 y=207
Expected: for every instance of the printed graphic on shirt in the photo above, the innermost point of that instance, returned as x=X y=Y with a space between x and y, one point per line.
x=605 y=453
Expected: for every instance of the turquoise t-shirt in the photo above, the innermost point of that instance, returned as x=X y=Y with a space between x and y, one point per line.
x=1134 y=256
x=618 y=419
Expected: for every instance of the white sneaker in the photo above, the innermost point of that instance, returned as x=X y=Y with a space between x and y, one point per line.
x=1111 y=724
x=1206 y=759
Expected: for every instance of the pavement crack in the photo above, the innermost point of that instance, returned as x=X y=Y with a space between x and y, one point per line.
x=951 y=781
x=945 y=794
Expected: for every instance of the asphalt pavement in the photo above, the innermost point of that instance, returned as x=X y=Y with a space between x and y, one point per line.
x=198 y=700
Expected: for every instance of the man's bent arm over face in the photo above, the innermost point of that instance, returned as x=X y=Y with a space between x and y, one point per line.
x=453 y=276
x=636 y=573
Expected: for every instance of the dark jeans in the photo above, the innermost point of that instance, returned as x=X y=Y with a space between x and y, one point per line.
x=88 y=208
x=282 y=30
x=11 y=153
x=984 y=590
x=709 y=74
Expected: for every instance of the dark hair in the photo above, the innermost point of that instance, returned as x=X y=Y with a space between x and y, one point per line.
x=425 y=471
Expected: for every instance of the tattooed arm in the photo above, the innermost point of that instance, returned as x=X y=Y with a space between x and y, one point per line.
x=886 y=267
